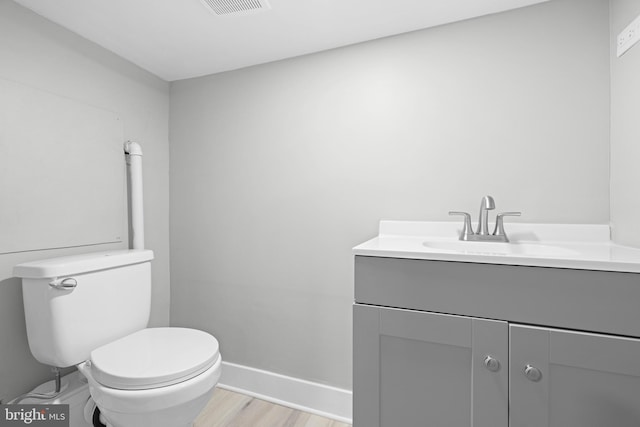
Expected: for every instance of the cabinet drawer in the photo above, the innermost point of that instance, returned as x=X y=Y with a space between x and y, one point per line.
x=598 y=301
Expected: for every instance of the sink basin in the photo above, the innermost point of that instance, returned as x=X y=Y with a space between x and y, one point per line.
x=499 y=248
x=576 y=246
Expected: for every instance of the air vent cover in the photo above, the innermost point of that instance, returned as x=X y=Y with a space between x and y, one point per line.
x=236 y=7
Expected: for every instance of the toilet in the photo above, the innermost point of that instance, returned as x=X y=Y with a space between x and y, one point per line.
x=91 y=311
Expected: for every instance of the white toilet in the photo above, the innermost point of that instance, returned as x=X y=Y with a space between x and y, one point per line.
x=92 y=311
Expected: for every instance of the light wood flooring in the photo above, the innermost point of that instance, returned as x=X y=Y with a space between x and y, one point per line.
x=230 y=409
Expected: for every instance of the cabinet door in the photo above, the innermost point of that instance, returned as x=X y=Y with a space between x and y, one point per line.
x=417 y=369
x=573 y=379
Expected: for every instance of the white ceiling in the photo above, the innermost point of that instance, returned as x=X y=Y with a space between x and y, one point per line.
x=179 y=39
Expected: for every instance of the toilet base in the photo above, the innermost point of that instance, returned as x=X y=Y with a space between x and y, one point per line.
x=176 y=405
x=165 y=418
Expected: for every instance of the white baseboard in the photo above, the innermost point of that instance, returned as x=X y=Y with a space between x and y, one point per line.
x=319 y=399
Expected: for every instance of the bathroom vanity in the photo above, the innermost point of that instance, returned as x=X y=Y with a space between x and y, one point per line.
x=542 y=331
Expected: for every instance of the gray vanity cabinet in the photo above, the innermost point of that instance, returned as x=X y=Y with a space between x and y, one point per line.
x=423 y=369
x=586 y=380
x=483 y=364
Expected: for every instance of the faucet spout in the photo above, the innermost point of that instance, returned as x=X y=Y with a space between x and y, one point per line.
x=482 y=234
x=486 y=204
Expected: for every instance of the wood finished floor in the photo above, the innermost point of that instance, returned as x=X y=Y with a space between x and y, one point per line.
x=230 y=409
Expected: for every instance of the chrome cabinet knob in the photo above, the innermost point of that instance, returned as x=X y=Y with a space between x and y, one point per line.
x=491 y=363
x=532 y=373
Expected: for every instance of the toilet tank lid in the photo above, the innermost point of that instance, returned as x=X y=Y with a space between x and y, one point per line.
x=83 y=263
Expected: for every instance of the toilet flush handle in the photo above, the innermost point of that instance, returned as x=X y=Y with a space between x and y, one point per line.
x=65 y=284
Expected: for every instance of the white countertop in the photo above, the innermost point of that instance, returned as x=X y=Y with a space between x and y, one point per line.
x=577 y=246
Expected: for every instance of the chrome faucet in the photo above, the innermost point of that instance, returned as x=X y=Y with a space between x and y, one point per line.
x=486 y=204
x=482 y=231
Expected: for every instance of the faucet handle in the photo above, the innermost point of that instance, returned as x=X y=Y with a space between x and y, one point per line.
x=467 y=229
x=499 y=230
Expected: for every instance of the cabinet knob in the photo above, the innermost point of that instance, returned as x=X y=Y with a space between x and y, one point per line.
x=532 y=373
x=491 y=363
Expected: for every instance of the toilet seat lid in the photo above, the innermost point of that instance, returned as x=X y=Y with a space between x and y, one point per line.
x=154 y=357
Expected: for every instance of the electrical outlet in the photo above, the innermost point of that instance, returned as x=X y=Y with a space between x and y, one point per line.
x=629 y=36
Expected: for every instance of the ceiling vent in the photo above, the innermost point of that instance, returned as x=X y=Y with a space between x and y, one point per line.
x=236 y=7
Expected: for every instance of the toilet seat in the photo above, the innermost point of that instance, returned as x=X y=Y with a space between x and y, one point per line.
x=153 y=358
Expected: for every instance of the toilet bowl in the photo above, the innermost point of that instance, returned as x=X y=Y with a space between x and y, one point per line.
x=91 y=311
x=162 y=377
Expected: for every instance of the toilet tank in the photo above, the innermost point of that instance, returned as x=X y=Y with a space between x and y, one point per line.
x=111 y=299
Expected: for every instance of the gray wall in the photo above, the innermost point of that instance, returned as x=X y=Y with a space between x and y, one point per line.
x=278 y=170
x=42 y=55
x=625 y=129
